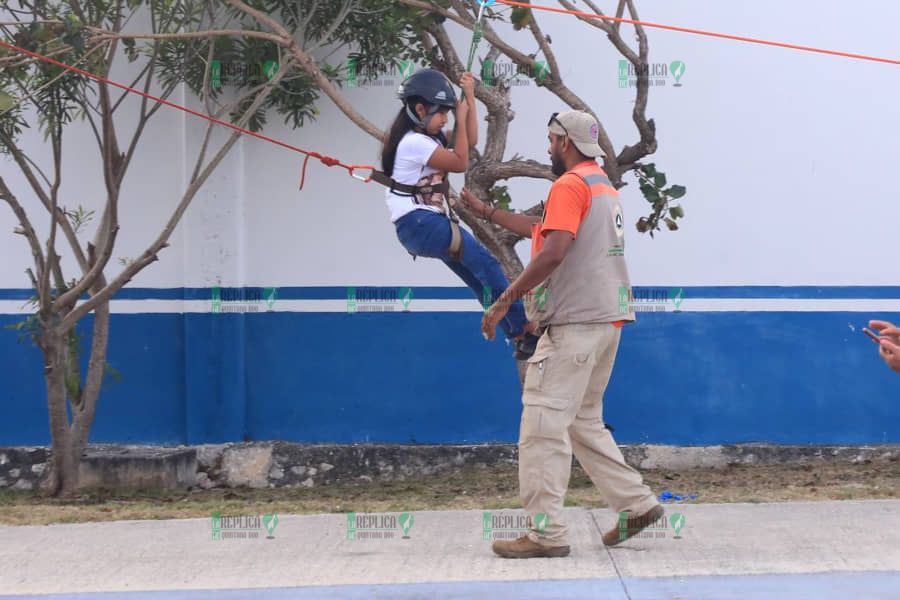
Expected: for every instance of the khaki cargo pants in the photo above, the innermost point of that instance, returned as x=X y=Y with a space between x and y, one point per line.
x=563 y=413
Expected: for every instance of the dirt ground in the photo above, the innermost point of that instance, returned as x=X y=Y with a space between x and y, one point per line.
x=492 y=487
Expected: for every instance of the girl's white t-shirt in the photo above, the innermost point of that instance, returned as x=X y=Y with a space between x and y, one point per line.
x=410 y=165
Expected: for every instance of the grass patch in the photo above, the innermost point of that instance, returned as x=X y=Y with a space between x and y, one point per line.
x=487 y=488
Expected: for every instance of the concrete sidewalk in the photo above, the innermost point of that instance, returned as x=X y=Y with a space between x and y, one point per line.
x=852 y=544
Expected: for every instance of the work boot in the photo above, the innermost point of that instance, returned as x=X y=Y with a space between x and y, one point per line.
x=525 y=547
x=525 y=346
x=633 y=526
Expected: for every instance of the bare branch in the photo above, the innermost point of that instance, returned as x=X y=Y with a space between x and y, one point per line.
x=598 y=23
x=518 y=168
x=133 y=83
x=524 y=61
x=545 y=48
x=87 y=107
x=25 y=167
x=104 y=35
x=145 y=116
x=620 y=10
x=43 y=290
x=94 y=378
x=39 y=21
x=207 y=101
x=19 y=61
x=38 y=169
x=26 y=228
x=452 y=66
x=150 y=255
x=646 y=128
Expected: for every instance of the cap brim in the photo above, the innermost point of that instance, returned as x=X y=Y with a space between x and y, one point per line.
x=588 y=149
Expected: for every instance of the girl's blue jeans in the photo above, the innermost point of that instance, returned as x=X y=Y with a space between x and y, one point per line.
x=427 y=233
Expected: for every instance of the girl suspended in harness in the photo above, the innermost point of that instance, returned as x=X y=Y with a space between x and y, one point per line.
x=415 y=161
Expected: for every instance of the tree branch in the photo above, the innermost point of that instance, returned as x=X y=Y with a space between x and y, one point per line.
x=39 y=191
x=103 y=34
x=150 y=254
x=26 y=228
x=598 y=23
x=308 y=65
x=516 y=168
x=541 y=39
x=620 y=10
x=341 y=16
x=303 y=28
x=646 y=128
x=552 y=83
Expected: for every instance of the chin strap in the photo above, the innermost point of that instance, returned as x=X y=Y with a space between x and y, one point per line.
x=423 y=123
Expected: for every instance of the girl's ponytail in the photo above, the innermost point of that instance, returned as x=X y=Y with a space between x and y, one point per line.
x=401 y=126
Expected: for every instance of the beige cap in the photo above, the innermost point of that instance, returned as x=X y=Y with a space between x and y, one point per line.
x=581 y=128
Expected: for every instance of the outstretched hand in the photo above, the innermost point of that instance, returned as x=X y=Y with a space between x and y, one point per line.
x=891 y=354
x=886 y=329
x=889 y=345
x=492 y=318
x=472 y=202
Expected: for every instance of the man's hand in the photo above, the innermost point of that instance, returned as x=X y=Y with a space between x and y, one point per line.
x=472 y=202
x=889 y=346
x=886 y=329
x=492 y=318
x=891 y=354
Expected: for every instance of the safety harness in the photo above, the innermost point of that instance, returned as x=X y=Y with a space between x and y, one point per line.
x=415 y=191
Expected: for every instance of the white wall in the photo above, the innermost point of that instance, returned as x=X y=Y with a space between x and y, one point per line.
x=788 y=158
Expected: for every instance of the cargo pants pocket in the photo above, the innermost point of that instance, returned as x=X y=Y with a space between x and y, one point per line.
x=554 y=386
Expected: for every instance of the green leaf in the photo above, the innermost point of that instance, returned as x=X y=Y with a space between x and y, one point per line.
x=660 y=180
x=650 y=193
x=520 y=17
x=6 y=101
x=676 y=212
x=649 y=170
x=676 y=191
x=500 y=196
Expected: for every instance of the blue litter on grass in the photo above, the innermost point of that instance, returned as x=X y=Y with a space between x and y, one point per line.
x=666 y=495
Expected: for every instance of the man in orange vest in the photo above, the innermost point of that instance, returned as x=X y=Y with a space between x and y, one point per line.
x=578 y=274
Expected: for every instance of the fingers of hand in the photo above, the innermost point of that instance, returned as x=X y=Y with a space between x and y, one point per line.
x=890 y=330
x=487 y=327
x=879 y=325
x=889 y=348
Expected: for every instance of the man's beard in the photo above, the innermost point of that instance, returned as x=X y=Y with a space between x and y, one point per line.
x=557 y=166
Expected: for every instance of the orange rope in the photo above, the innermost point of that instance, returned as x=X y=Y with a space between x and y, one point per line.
x=327 y=160
x=726 y=36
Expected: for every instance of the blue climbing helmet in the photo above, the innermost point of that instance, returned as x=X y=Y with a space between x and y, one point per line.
x=432 y=87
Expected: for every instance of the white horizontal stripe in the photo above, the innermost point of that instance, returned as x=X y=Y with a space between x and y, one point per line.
x=19 y=307
x=789 y=305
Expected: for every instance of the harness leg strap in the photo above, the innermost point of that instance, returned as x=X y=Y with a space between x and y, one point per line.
x=455 y=247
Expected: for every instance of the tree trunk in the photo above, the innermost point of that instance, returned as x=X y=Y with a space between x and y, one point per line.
x=63 y=477
x=69 y=434
x=83 y=417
